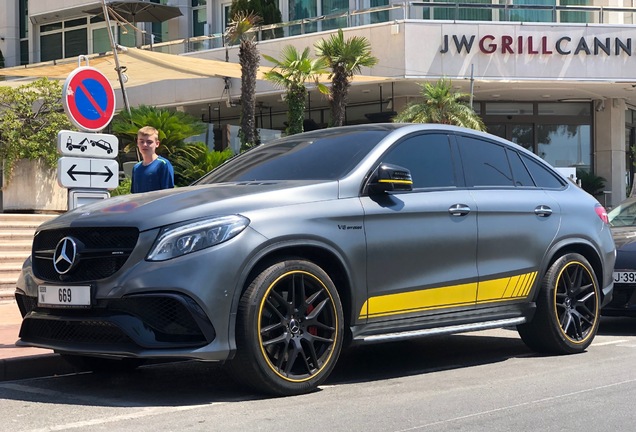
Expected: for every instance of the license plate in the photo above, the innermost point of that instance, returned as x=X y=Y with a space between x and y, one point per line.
x=51 y=295
x=625 y=277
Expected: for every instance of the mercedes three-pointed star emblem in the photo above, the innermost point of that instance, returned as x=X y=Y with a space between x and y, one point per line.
x=65 y=256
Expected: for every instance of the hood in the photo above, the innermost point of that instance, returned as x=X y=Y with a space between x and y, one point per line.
x=155 y=209
x=624 y=238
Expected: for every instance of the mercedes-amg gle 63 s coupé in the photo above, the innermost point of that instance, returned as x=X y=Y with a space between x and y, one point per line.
x=284 y=255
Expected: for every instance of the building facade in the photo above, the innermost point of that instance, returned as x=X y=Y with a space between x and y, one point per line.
x=555 y=76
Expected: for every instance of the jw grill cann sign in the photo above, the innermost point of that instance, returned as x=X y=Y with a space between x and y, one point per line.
x=563 y=45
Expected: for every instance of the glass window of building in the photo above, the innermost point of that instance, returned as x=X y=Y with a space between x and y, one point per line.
x=24 y=32
x=334 y=7
x=51 y=47
x=227 y=19
x=477 y=13
x=566 y=16
x=76 y=42
x=64 y=39
x=565 y=145
x=379 y=16
x=530 y=14
x=299 y=9
x=99 y=40
x=159 y=33
x=559 y=132
x=199 y=17
x=126 y=37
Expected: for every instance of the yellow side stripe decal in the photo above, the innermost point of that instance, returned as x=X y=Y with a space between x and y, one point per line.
x=496 y=290
x=513 y=287
x=417 y=301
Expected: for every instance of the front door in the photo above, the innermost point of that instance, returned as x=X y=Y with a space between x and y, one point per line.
x=433 y=237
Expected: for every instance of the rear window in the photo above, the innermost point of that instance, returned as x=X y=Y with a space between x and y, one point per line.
x=543 y=177
x=320 y=155
x=485 y=163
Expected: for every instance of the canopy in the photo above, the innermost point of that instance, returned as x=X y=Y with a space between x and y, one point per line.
x=143 y=67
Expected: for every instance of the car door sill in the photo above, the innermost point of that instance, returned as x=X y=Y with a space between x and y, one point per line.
x=485 y=325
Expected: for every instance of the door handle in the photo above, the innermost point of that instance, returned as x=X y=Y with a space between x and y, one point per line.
x=543 y=211
x=459 y=210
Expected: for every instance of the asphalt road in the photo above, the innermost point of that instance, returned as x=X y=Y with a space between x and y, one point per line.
x=485 y=381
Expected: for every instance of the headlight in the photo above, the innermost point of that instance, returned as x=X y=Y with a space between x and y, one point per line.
x=181 y=239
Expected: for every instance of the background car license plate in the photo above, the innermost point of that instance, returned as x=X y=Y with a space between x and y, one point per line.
x=51 y=295
x=625 y=277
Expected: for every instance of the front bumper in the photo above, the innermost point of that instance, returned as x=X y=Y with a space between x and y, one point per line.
x=180 y=308
x=131 y=325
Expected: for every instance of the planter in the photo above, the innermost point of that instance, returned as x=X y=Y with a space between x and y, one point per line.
x=33 y=188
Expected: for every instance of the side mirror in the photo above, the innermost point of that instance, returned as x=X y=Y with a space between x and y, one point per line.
x=390 y=178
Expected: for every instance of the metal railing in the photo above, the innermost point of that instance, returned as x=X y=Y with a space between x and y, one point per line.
x=418 y=10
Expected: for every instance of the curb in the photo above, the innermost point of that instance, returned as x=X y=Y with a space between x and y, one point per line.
x=36 y=366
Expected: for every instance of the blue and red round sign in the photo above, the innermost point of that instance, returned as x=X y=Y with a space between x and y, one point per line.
x=88 y=99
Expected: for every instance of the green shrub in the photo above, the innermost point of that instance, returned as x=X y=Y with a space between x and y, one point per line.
x=122 y=189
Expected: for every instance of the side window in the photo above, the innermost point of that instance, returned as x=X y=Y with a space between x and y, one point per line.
x=428 y=157
x=542 y=176
x=485 y=163
x=519 y=170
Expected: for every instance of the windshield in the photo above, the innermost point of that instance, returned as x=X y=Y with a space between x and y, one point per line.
x=623 y=215
x=327 y=154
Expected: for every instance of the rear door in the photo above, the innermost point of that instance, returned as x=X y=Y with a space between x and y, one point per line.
x=516 y=221
x=421 y=245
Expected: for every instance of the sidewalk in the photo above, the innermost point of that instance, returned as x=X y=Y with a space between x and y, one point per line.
x=23 y=362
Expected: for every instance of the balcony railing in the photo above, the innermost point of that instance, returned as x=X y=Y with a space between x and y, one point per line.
x=419 y=10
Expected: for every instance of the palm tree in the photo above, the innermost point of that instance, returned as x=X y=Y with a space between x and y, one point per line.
x=441 y=105
x=294 y=69
x=173 y=126
x=266 y=9
x=345 y=58
x=194 y=161
x=240 y=31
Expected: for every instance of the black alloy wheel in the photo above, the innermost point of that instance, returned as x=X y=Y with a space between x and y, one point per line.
x=568 y=308
x=289 y=329
x=576 y=302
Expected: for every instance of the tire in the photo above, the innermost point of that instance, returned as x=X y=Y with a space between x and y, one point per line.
x=289 y=329
x=102 y=364
x=568 y=311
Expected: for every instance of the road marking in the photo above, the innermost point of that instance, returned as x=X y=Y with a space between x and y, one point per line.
x=510 y=407
x=144 y=412
x=615 y=342
x=140 y=413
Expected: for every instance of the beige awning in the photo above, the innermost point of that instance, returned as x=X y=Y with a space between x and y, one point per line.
x=143 y=67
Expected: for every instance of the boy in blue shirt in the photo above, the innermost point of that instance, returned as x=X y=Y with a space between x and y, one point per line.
x=154 y=172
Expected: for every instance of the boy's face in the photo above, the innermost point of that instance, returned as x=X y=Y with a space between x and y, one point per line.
x=147 y=143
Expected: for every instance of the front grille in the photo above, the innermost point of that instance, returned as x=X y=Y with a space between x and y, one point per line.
x=102 y=252
x=25 y=303
x=168 y=317
x=76 y=332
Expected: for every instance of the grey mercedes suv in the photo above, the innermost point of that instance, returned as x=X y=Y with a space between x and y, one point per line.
x=276 y=260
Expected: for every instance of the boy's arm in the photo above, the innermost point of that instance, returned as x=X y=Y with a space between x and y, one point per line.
x=168 y=177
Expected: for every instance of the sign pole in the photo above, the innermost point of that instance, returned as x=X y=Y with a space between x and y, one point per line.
x=114 y=48
x=118 y=67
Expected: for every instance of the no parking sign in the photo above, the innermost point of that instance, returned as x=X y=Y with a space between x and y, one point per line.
x=88 y=99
